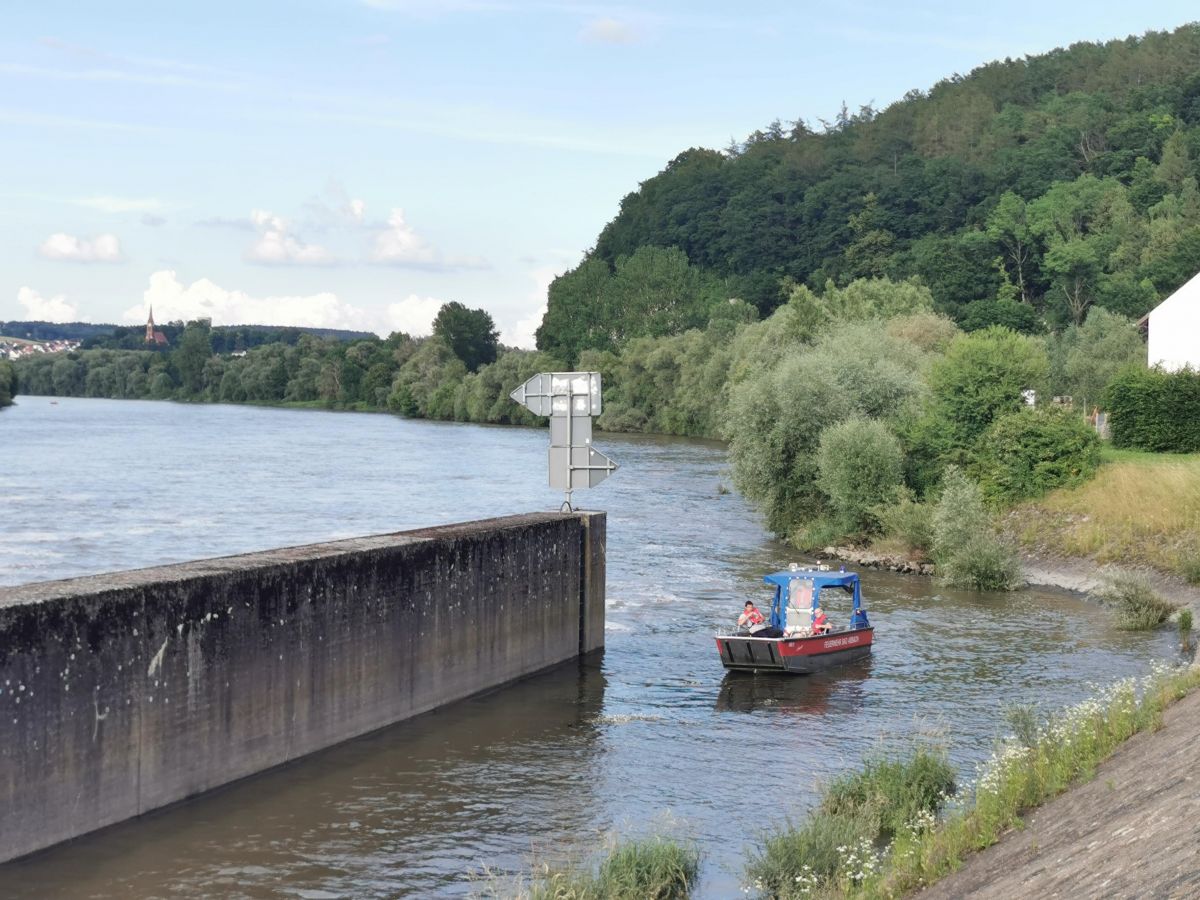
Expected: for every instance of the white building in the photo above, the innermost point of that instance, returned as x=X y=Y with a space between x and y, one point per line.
x=1173 y=329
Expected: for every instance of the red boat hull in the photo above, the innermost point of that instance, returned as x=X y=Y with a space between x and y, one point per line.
x=798 y=656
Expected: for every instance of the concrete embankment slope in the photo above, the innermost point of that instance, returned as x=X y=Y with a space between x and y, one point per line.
x=122 y=693
x=1133 y=831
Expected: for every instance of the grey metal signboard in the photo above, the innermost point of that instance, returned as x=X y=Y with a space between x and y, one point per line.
x=570 y=399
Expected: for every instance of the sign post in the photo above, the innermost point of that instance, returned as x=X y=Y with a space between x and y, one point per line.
x=570 y=399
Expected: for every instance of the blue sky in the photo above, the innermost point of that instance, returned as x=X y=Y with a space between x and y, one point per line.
x=356 y=163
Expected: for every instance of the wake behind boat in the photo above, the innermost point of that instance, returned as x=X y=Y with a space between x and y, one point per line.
x=793 y=640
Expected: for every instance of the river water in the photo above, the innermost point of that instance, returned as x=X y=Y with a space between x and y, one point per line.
x=652 y=737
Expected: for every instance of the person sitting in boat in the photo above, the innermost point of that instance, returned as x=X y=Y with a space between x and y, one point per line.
x=754 y=622
x=820 y=621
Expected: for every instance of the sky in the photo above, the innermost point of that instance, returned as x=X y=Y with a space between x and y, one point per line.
x=358 y=163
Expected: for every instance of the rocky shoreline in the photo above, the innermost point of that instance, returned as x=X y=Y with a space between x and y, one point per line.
x=1078 y=575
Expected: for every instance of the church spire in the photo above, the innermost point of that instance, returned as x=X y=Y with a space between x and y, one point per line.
x=150 y=327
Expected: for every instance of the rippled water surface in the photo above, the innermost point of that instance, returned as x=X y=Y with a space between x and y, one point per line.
x=654 y=734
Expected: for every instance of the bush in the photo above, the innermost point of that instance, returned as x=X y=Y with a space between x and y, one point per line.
x=1150 y=409
x=1027 y=453
x=8 y=382
x=1137 y=606
x=981 y=378
x=860 y=466
x=966 y=549
x=983 y=563
x=908 y=522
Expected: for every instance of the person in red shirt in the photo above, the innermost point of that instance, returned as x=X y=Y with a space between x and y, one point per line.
x=820 y=621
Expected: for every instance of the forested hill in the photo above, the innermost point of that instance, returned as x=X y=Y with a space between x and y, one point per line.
x=1022 y=193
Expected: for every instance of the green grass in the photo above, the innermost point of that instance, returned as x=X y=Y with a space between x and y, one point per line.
x=1044 y=759
x=647 y=868
x=1141 y=508
x=1136 y=605
x=834 y=850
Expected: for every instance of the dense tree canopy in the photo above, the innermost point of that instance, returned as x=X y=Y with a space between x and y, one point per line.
x=1058 y=183
x=469 y=333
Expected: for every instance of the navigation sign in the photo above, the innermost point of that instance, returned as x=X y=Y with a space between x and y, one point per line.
x=570 y=399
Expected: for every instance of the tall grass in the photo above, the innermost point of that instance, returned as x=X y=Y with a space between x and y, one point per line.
x=842 y=851
x=836 y=848
x=1140 y=508
x=1136 y=605
x=648 y=868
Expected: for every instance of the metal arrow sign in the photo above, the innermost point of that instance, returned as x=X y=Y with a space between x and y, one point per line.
x=570 y=399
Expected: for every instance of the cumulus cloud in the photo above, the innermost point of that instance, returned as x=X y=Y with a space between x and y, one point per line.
x=46 y=309
x=172 y=299
x=608 y=31
x=101 y=248
x=522 y=334
x=400 y=245
x=276 y=245
x=413 y=315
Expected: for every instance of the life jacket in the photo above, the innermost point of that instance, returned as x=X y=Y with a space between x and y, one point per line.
x=754 y=617
x=821 y=621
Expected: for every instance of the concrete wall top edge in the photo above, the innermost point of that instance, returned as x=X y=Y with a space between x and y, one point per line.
x=43 y=591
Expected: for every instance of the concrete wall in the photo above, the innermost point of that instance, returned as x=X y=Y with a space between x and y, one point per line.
x=125 y=692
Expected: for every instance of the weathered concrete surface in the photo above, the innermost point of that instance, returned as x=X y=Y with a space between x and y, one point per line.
x=122 y=693
x=1133 y=831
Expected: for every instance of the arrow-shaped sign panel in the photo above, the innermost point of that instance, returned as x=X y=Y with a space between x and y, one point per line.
x=574 y=468
x=570 y=399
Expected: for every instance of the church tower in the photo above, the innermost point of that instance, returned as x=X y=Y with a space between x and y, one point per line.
x=150 y=327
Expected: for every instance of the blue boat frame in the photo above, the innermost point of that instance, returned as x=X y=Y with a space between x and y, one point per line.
x=846 y=581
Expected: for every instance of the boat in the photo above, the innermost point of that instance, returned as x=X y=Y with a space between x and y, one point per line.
x=796 y=650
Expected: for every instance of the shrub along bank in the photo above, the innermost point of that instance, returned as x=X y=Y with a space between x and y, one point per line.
x=1150 y=409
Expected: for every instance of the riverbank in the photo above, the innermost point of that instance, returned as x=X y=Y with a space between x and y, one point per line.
x=1131 y=831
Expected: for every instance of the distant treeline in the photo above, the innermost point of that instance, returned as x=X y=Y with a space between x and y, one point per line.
x=226 y=338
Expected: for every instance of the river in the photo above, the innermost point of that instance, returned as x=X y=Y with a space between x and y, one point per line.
x=654 y=736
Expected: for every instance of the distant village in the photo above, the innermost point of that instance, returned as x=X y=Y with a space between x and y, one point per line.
x=11 y=348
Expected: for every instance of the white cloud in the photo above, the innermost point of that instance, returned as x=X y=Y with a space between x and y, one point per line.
x=334 y=208
x=172 y=300
x=111 y=204
x=522 y=334
x=47 y=309
x=101 y=248
x=400 y=245
x=277 y=246
x=609 y=31
x=413 y=315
